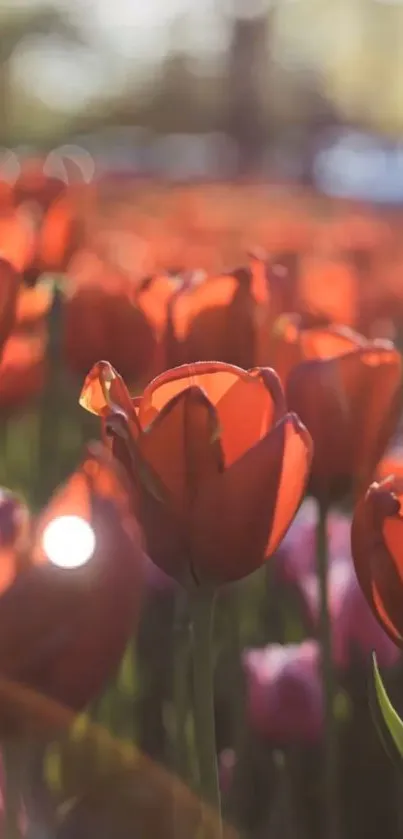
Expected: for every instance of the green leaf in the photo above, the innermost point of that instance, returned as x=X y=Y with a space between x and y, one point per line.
x=387 y=721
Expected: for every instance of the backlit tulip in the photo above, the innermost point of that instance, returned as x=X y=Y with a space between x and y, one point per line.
x=377 y=540
x=328 y=289
x=217 y=465
x=108 y=316
x=284 y=692
x=9 y=291
x=220 y=318
x=64 y=626
x=347 y=391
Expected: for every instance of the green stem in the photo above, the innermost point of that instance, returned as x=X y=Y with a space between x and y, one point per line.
x=331 y=813
x=203 y=698
x=239 y=730
x=180 y=695
x=12 y=766
x=180 y=687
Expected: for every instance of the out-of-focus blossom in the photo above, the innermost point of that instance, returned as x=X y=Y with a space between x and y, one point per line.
x=23 y=370
x=226 y=766
x=284 y=693
x=328 y=289
x=9 y=292
x=221 y=318
x=217 y=465
x=17 y=238
x=33 y=184
x=23 y=340
x=355 y=632
x=347 y=391
x=108 y=316
x=376 y=540
x=63 y=630
x=297 y=553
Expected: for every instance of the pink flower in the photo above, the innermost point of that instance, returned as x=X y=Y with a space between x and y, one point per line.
x=355 y=630
x=284 y=692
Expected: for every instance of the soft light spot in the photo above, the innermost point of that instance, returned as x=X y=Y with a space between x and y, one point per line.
x=68 y=541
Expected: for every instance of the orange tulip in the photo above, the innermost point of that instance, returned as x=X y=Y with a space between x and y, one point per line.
x=17 y=239
x=377 y=540
x=347 y=392
x=63 y=630
x=106 y=315
x=328 y=290
x=220 y=318
x=58 y=235
x=34 y=185
x=217 y=466
x=9 y=292
x=391 y=464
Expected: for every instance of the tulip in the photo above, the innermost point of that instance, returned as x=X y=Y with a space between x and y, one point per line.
x=284 y=692
x=347 y=391
x=391 y=463
x=23 y=340
x=105 y=315
x=63 y=630
x=376 y=542
x=9 y=291
x=328 y=289
x=217 y=466
x=221 y=318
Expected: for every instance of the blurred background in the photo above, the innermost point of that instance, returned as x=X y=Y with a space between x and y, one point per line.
x=293 y=89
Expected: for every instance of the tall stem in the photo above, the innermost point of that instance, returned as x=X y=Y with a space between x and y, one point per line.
x=203 y=699
x=180 y=695
x=12 y=814
x=331 y=813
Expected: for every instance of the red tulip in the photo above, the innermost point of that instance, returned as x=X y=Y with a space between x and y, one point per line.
x=63 y=630
x=23 y=340
x=328 y=289
x=106 y=315
x=347 y=391
x=376 y=540
x=221 y=318
x=9 y=291
x=217 y=465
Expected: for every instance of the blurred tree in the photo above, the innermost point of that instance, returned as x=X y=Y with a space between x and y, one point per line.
x=15 y=25
x=248 y=58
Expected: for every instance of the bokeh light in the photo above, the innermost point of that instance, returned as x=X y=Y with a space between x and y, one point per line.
x=68 y=541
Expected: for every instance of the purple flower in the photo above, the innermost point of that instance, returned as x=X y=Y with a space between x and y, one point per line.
x=284 y=692
x=355 y=630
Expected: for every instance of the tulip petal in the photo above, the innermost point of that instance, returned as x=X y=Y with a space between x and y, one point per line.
x=248 y=410
x=378 y=561
x=248 y=404
x=350 y=406
x=214 y=377
x=9 y=287
x=240 y=516
x=182 y=446
x=329 y=343
x=105 y=394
